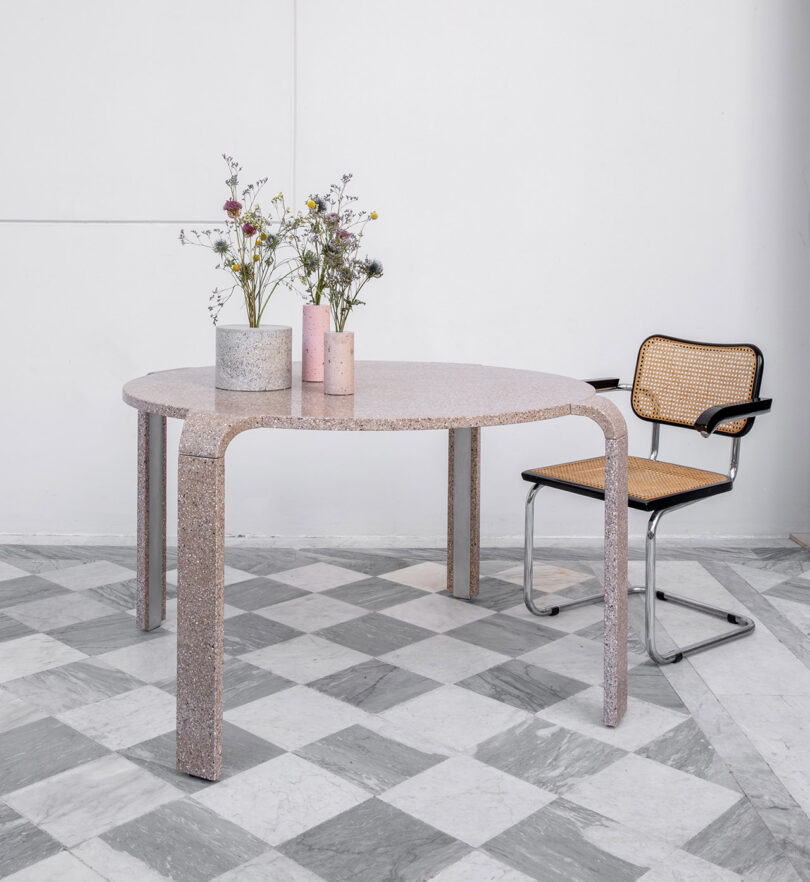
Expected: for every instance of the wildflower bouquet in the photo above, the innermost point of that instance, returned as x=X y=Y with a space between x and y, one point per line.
x=327 y=243
x=249 y=246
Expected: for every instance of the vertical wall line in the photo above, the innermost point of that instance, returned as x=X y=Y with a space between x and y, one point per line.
x=294 y=106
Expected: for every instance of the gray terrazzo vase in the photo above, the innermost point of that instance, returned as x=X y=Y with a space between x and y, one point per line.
x=254 y=359
x=338 y=367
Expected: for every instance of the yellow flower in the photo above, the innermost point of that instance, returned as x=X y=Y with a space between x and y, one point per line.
x=263 y=237
x=256 y=257
x=374 y=215
x=235 y=267
x=310 y=204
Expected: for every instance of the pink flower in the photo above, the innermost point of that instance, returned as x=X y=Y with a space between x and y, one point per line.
x=343 y=234
x=233 y=208
x=248 y=229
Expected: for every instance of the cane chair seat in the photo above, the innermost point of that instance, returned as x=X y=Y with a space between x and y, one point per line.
x=652 y=485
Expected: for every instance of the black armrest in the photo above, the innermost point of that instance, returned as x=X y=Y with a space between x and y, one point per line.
x=713 y=417
x=606 y=384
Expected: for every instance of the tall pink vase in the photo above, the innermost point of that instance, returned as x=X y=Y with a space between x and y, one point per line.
x=315 y=325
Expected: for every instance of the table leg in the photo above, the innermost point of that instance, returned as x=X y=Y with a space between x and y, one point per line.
x=464 y=512
x=615 y=652
x=200 y=615
x=151 y=593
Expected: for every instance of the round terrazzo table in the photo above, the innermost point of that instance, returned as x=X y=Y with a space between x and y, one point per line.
x=389 y=396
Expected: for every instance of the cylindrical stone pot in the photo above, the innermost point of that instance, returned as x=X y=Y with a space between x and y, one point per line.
x=315 y=325
x=338 y=369
x=254 y=359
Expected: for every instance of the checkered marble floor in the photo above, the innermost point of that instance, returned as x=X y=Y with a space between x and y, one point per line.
x=376 y=729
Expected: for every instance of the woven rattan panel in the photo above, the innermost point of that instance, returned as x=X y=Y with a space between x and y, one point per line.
x=676 y=381
x=646 y=479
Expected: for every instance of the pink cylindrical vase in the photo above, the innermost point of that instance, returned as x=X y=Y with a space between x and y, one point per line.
x=338 y=374
x=315 y=325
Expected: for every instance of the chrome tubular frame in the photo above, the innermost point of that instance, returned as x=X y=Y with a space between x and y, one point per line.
x=743 y=625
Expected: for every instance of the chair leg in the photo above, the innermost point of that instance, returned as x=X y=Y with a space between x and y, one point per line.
x=743 y=625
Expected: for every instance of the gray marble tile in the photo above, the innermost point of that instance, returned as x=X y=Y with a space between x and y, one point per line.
x=373 y=562
x=739 y=841
x=375 y=594
x=797 y=590
x=40 y=749
x=254 y=594
x=498 y=595
x=374 y=685
x=375 y=634
x=240 y=751
x=105 y=634
x=523 y=685
x=11 y=628
x=547 y=756
x=686 y=748
x=646 y=681
x=49 y=613
x=72 y=685
x=120 y=595
x=368 y=759
x=27 y=588
x=34 y=561
x=248 y=632
x=243 y=682
x=21 y=843
x=506 y=634
x=556 y=844
x=186 y=842
x=372 y=843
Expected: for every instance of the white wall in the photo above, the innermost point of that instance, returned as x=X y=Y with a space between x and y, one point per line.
x=555 y=180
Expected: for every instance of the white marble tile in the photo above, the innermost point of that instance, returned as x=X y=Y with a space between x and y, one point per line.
x=455 y=717
x=295 y=717
x=16 y=711
x=479 y=867
x=575 y=656
x=89 y=575
x=444 y=658
x=681 y=866
x=545 y=577
x=125 y=719
x=151 y=661
x=467 y=799
x=36 y=652
x=437 y=612
x=756 y=665
x=311 y=612
x=760 y=579
x=117 y=866
x=653 y=798
x=428 y=575
x=779 y=727
x=90 y=799
x=642 y=723
x=170 y=622
x=318 y=577
x=7 y=571
x=306 y=658
x=232 y=576
x=281 y=798
x=56 y=612
x=797 y=613
x=269 y=867
x=570 y=621
x=62 y=866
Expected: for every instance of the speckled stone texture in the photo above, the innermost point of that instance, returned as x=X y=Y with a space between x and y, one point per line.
x=389 y=396
x=338 y=369
x=475 y=511
x=254 y=359
x=145 y=454
x=200 y=615
x=315 y=324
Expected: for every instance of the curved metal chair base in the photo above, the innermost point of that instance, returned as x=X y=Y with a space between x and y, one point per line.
x=743 y=625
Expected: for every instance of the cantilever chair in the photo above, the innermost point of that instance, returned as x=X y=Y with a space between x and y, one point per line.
x=704 y=387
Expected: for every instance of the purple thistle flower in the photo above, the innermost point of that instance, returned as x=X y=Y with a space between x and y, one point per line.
x=248 y=229
x=233 y=208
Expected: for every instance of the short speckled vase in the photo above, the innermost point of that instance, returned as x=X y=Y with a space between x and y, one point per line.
x=338 y=369
x=315 y=325
x=254 y=359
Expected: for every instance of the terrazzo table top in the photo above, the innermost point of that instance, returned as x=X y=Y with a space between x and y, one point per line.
x=388 y=395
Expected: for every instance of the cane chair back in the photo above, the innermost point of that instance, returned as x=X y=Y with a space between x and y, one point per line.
x=676 y=380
